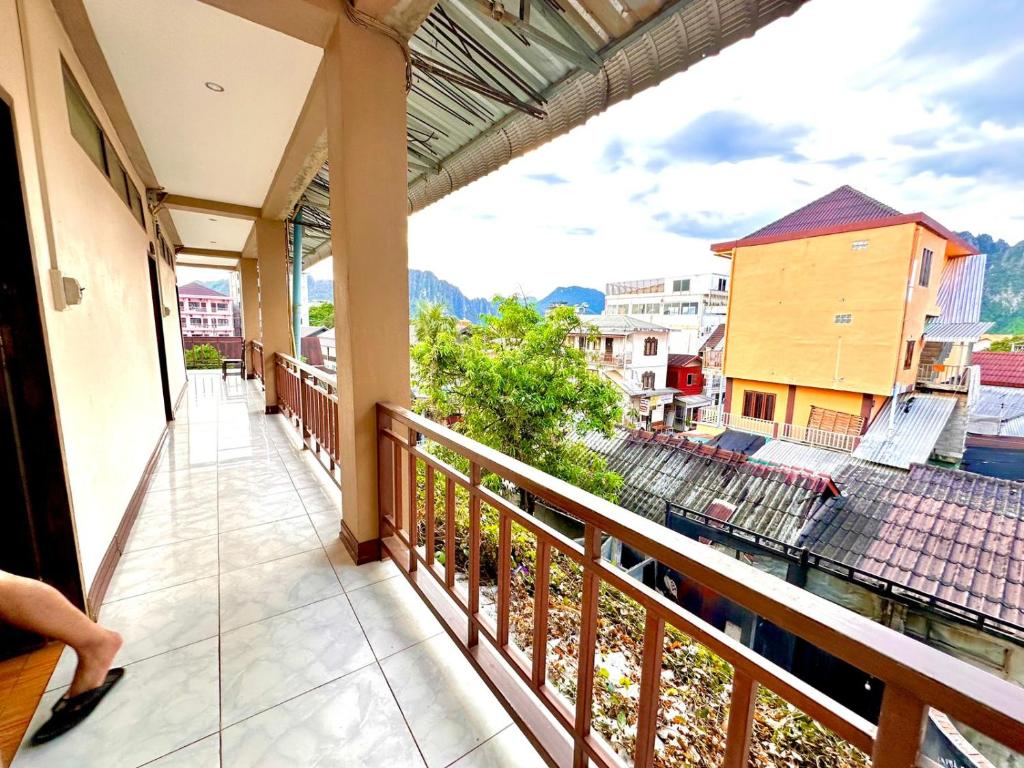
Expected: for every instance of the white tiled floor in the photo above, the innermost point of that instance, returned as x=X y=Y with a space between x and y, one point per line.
x=251 y=639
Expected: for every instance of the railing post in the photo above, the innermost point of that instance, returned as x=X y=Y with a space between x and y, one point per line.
x=588 y=646
x=900 y=729
x=303 y=406
x=650 y=691
x=474 y=555
x=741 y=723
x=412 y=523
x=541 y=590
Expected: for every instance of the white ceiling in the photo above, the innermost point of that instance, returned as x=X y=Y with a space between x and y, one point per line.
x=218 y=146
x=203 y=230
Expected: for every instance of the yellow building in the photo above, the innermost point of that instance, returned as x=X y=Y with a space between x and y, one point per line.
x=828 y=313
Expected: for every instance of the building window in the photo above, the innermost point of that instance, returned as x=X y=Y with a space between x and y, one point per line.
x=88 y=133
x=681 y=286
x=721 y=283
x=647 y=380
x=908 y=358
x=650 y=346
x=690 y=379
x=926 y=268
x=646 y=309
x=759 y=405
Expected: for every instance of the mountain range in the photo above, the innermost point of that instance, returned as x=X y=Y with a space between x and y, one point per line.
x=1002 y=299
x=426 y=286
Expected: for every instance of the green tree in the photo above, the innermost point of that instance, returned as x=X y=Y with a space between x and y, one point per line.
x=202 y=356
x=1006 y=345
x=322 y=314
x=519 y=387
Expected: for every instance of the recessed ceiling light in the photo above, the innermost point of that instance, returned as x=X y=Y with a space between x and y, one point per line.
x=212 y=219
x=213 y=242
x=215 y=87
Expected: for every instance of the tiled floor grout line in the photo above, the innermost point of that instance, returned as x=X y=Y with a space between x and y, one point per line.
x=220 y=640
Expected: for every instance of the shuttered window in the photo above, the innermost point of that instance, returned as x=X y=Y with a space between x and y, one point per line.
x=759 y=405
x=908 y=359
x=835 y=421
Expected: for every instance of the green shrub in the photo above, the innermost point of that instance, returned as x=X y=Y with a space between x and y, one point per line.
x=202 y=356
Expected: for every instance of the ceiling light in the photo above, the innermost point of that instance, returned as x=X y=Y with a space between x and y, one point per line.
x=211 y=219
x=215 y=87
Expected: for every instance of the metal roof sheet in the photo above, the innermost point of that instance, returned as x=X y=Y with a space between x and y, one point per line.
x=955 y=535
x=960 y=289
x=488 y=86
x=786 y=453
x=918 y=421
x=997 y=411
x=939 y=330
x=772 y=500
x=1001 y=369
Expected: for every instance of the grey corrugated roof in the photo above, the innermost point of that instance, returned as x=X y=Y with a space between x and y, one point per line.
x=938 y=330
x=611 y=324
x=918 y=422
x=997 y=411
x=771 y=500
x=785 y=453
x=960 y=289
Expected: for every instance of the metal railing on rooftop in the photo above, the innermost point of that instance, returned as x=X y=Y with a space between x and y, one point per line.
x=796 y=433
x=421 y=494
x=940 y=376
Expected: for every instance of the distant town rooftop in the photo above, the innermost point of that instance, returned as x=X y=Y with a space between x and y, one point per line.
x=843 y=210
x=198 y=289
x=618 y=325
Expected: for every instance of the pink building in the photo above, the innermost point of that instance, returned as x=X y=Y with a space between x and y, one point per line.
x=204 y=311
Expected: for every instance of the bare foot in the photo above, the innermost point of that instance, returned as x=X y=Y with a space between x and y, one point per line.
x=94 y=661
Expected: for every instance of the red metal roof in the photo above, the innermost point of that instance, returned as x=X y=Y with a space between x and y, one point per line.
x=198 y=289
x=683 y=361
x=843 y=210
x=1000 y=369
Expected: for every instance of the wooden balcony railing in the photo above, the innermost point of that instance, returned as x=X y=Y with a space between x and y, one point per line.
x=310 y=397
x=423 y=500
x=950 y=377
x=227 y=346
x=256 y=359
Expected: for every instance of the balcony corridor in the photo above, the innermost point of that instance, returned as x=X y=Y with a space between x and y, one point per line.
x=251 y=639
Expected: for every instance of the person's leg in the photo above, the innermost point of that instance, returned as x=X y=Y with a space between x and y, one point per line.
x=40 y=608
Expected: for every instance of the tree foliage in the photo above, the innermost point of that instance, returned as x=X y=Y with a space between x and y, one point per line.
x=202 y=356
x=518 y=386
x=322 y=314
x=1007 y=345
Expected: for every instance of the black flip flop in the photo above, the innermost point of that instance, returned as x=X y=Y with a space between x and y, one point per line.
x=69 y=712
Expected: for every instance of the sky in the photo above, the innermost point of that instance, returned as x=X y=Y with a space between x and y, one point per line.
x=918 y=103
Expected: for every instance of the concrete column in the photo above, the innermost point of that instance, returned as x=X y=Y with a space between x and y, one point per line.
x=249 y=272
x=366 y=148
x=275 y=309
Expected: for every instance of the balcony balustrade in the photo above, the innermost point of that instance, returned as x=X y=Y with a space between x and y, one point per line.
x=712 y=358
x=955 y=378
x=839 y=441
x=309 y=397
x=448 y=523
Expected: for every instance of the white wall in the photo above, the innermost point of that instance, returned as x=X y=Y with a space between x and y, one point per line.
x=102 y=353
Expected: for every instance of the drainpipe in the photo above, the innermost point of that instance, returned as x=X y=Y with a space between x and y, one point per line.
x=297 y=287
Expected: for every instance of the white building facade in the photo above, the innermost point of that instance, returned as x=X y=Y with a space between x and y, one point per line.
x=690 y=306
x=633 y=355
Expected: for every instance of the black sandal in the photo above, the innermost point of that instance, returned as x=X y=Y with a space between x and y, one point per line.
x=69 y=712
